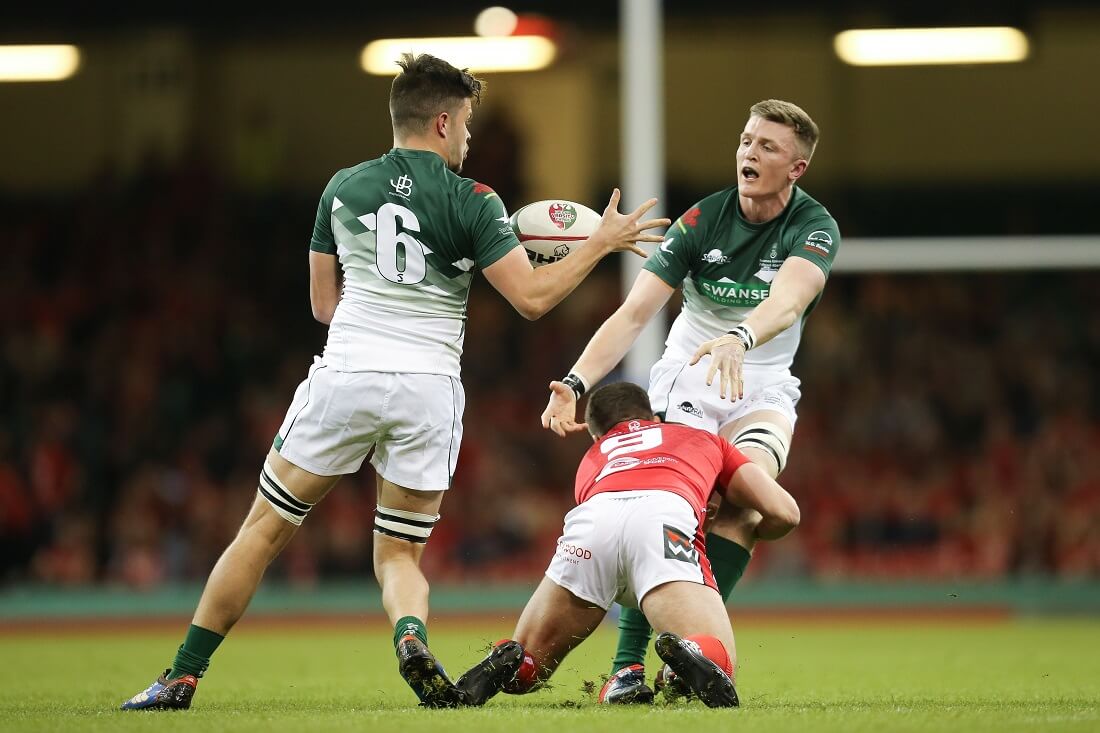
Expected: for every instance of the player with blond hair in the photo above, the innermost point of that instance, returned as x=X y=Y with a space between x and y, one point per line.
x=753 y=260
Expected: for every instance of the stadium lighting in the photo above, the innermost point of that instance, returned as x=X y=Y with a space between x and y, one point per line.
x=506 y=53
x=911 y=46
x=38 y=63
x=495 y=21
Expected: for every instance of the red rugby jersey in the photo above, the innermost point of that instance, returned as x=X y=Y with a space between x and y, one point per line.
x=644 y=455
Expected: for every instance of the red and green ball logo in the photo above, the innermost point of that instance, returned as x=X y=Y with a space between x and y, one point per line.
x=563 y=215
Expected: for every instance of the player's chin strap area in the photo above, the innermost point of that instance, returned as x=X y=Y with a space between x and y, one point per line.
x=403 y=525
x=285 y=504
x=766 y=437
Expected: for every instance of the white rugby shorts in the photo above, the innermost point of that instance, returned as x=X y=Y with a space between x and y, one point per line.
x=680 y=392
x=619 y=545
x=412 y=421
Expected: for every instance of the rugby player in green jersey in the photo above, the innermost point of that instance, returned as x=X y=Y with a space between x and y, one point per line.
x=752 y=259
x=395 y=246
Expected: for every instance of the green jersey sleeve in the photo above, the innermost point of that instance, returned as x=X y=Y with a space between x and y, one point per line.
x=818 y=242
x=486 y=221
x=672 y=259
x=323 y=240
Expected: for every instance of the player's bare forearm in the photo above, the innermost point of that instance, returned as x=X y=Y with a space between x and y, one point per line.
x=325 y=285
x=798 y=282
x=608 y=346
x=550 y=284
x=751 y=487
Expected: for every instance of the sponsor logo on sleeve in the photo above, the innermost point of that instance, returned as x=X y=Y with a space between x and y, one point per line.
x=819 y=242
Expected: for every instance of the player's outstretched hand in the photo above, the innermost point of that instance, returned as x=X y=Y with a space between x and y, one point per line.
x=727 y=357
x=624 y=231
x=560 y=414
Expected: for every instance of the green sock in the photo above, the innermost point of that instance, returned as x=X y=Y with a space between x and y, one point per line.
x=728 y=561
x=634 y=632
x=194 y=653
x=409 y=625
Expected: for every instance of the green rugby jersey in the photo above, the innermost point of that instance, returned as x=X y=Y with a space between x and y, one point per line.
x=726 y=265
x=409 y=233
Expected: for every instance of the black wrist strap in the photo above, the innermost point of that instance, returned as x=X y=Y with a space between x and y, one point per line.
x=574 y=383
x=748 y=338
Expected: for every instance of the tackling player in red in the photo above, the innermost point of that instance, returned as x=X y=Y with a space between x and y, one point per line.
x=636 y=537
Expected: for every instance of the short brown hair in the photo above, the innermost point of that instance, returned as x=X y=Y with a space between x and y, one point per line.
x=425 y=87
x=611 y=404
x=794 y=117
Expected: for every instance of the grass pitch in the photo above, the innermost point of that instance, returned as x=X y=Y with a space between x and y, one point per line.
x=798 y=676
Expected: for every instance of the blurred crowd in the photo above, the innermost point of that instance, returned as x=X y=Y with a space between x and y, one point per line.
x=153 y=331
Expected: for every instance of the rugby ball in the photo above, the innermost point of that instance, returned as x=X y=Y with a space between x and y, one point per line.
x=551 y=229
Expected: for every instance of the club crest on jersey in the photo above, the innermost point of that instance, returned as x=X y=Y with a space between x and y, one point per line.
x=769 y=265
x=561 y=250
x=563 y=215
x=403 y=186
x=678 y=546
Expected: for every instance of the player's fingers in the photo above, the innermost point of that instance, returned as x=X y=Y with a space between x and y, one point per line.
x=728 y=387
x=638 y=251
x=574 y=427
x=654 y=223
x=711 y=371
x=613 y=204
x=655 y=238
x=638 y=212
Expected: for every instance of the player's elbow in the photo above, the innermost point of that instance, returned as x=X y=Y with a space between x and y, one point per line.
x=780 y=521
x=791 y=515
x=787 y=517
x=323 y=312
x=532 y=308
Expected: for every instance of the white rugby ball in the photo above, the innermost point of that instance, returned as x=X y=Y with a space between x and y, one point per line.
x=551 y=229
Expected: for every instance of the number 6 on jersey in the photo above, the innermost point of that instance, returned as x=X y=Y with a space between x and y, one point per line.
x=399 y=257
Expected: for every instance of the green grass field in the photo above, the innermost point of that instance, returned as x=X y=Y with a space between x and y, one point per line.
x=817 y=676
